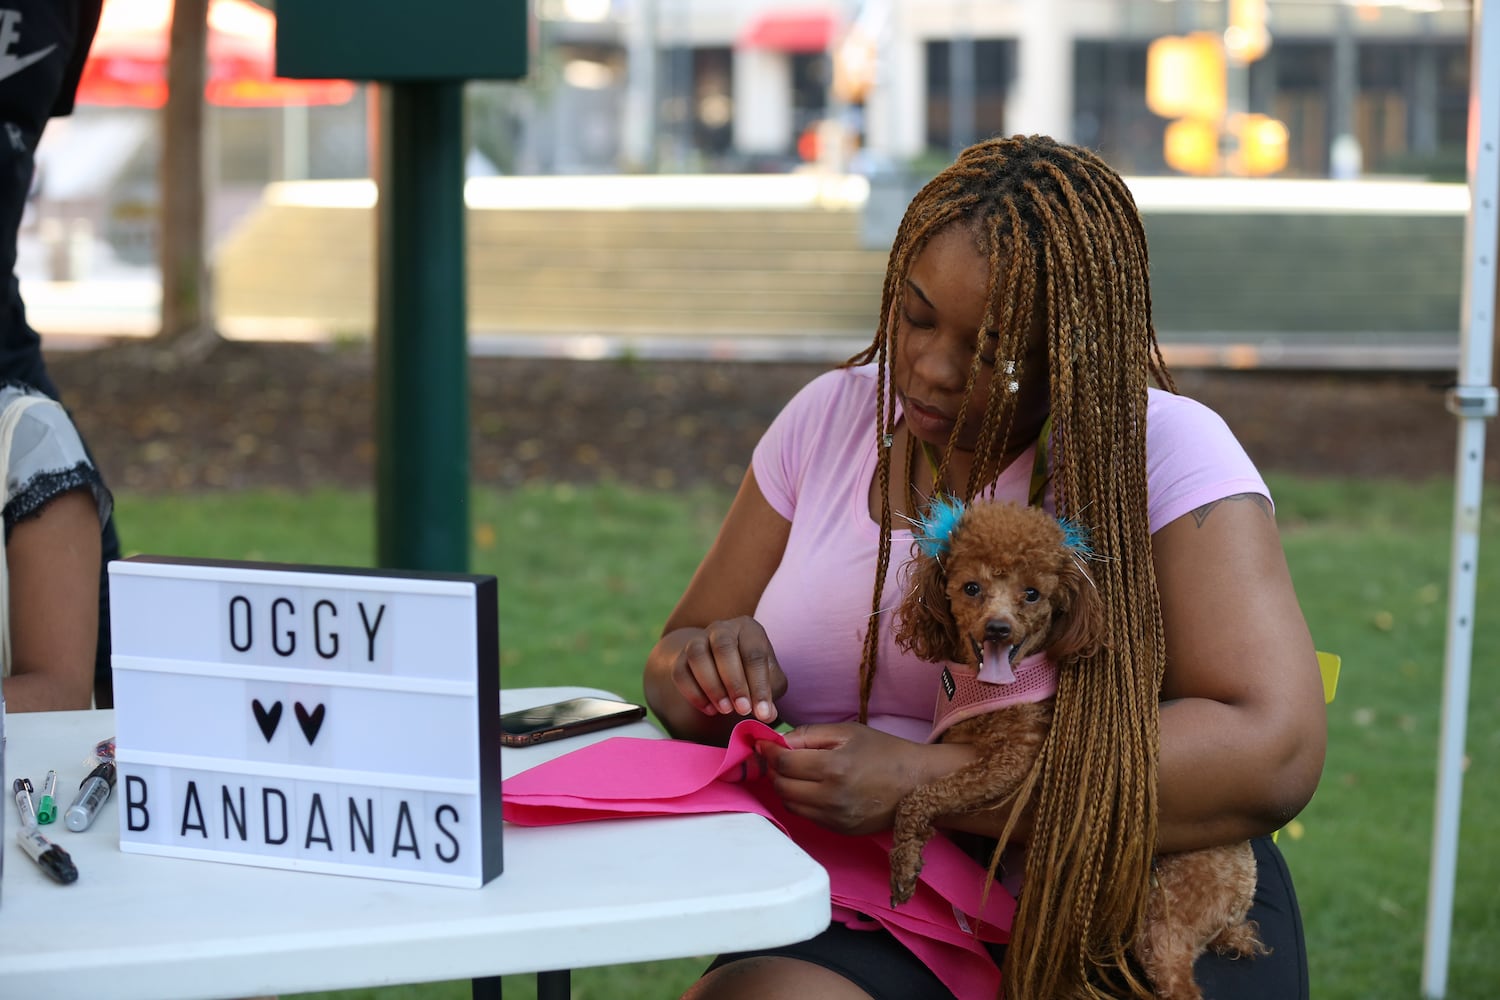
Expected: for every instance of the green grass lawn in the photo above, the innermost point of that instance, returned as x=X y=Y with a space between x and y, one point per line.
x=587 y=576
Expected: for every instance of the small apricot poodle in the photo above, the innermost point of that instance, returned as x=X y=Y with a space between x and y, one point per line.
x=991 y=584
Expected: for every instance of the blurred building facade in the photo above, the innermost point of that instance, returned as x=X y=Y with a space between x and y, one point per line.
x=737 y=85
x=890 y=88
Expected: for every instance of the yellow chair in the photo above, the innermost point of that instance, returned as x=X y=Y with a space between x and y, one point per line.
x=1328 y=666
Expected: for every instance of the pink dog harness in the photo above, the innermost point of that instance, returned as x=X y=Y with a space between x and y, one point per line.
x=967 y=692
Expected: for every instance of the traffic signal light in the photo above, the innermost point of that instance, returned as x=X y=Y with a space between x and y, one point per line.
x=1191 y=145
x=1187 y=80
x=1247 y=39
x=1262 y=145
x=1246 y=146
x=1185 y=76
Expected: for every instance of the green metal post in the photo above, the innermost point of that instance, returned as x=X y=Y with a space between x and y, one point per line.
x=421 y=335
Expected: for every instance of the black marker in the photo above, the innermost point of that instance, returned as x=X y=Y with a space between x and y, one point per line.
x=92 y=793
x=22 y=789
x=49 y=857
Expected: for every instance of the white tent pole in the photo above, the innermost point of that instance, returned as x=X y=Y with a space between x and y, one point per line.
x=1472 y=401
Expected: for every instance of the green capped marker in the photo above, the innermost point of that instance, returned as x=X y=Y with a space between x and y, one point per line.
x=46 y=808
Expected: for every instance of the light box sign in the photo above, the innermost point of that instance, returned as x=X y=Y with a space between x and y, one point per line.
x=313 y=718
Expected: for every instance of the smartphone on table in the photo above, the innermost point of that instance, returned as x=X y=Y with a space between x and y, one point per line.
x=526 y=727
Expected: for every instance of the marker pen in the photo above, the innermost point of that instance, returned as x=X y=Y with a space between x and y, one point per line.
x=22 y=789
x=49 y=857
x=46 y=807
x=92 y=794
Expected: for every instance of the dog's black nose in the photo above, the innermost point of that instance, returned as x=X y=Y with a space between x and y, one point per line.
x=996 y=631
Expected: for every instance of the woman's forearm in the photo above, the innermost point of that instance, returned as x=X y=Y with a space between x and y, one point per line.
x=1209 y=792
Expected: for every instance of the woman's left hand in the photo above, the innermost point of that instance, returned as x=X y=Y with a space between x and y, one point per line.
x=845 y=776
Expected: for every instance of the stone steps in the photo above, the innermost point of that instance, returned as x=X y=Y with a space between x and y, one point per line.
x=563 y=255
x=744 y=270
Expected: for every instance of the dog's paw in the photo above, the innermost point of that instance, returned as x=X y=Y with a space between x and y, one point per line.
x=906 y=865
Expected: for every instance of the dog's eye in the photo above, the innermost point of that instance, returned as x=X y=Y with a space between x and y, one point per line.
x=1032 y=595
x=972 y=589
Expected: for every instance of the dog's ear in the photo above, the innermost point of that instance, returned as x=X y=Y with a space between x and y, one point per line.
x=923 y=624
x=1078 y=629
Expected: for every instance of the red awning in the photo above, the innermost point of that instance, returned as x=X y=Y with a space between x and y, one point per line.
x=789 y=31
x=127 y=64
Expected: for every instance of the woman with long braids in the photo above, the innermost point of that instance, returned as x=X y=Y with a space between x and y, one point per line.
x=1015 y=358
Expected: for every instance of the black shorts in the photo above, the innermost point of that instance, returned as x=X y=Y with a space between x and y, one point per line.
x=881 y=966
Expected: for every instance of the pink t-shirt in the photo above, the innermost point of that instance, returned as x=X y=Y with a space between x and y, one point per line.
x=815 y=465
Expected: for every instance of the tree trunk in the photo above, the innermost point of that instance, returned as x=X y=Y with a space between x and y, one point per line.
x=186 y=304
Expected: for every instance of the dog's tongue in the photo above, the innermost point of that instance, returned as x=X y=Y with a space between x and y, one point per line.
x=994 y=665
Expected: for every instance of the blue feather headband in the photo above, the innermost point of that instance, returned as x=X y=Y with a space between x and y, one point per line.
x=934 y=529
x=1076 y=537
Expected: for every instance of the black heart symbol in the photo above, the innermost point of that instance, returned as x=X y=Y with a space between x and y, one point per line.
x=267 y=720
x=310 y=722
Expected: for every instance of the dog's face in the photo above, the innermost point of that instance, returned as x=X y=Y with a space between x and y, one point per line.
x=1004 y=604
x=1007 y=587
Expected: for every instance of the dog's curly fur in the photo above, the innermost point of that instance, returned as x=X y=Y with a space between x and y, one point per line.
x=1009 y=580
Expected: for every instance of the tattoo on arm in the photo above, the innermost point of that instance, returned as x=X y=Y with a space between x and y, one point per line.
x=1201 y=514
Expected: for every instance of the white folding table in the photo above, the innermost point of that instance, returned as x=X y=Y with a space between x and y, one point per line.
x=140 y=927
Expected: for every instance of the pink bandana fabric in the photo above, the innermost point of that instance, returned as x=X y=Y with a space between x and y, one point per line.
x=966 y=692
x=625 y=776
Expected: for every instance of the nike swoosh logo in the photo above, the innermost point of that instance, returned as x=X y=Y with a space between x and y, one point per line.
x=11 y=65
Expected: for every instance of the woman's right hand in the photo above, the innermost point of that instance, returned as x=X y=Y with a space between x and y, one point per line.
x=727 y=668
x=714 y=664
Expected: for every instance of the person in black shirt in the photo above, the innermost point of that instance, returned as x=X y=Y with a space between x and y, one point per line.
x=43 y=46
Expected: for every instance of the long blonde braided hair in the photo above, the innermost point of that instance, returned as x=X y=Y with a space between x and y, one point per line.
x=1063 y=235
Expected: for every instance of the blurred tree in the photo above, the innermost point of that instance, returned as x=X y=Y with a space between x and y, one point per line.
x=187 y=323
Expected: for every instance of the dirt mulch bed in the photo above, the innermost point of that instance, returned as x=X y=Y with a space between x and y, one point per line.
x=288 y=415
